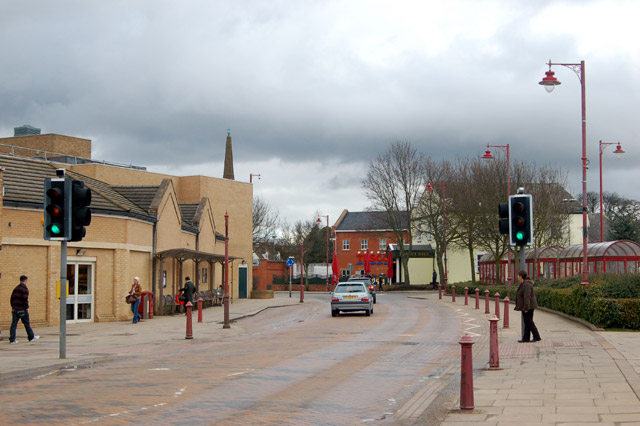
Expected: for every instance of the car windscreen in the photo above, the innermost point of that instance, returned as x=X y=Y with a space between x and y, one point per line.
x=351 y=288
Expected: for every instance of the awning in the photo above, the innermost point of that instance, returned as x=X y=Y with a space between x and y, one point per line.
x=198 y=256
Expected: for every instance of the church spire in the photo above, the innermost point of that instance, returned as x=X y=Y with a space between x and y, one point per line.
x=228 y=158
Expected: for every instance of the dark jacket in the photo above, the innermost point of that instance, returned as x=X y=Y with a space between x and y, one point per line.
x=188 y=291
x=525 y=297
x=20 y=297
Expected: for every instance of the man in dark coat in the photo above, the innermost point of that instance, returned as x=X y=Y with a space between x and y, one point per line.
x=526 y=302
x=19 y=310
x=187 y=291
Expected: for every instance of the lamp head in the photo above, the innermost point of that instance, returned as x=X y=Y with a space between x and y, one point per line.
x=549 y=81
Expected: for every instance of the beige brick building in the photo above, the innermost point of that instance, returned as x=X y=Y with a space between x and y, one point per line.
x=158 y=227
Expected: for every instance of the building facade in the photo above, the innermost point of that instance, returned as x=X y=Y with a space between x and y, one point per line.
x=158 y=227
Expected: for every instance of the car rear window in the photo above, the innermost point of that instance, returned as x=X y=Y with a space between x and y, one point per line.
x=351 y=288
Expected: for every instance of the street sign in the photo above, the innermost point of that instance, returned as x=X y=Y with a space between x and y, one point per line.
x=290 y=261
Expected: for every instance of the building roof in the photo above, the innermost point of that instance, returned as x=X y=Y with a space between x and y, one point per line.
x=140 y=195
x=366 y=221
x=24 y=187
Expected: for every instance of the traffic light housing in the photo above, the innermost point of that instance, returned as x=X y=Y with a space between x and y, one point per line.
x=80 y=211
x=520 y=220
x=503 y=222
x=57 y=209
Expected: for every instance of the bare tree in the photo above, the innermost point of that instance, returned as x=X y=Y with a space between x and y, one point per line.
x=265 y=222
x=394 y=184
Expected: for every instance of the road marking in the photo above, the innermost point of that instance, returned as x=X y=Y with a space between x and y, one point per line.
x=159 y=369
x=240 y=373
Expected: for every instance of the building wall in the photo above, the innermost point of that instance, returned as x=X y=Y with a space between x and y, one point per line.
x=52 y=143
x=346 y=257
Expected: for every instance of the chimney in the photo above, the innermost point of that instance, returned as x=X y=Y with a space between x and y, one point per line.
x=228 y=159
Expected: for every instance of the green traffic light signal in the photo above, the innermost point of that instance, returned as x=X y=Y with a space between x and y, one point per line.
x=520 y=236
x=55 y=229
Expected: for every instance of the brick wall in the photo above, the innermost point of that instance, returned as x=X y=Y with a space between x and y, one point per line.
x=53 y=143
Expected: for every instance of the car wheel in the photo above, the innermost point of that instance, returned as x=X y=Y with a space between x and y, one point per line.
x=334 y=312
x=368 y=312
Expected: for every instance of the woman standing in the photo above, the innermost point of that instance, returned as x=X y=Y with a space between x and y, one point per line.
x=526 y=302
x=137 y=290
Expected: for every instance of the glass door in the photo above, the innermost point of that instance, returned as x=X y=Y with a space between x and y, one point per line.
x=80 y=300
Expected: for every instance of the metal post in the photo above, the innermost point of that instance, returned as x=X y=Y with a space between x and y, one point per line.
x=189 y=334
x=290 y=272
x=145 y=306
x=497 y=308
x=466 y=296
x=466 y=373
x=453 y=293
x=477 y=298
x=199 y=309
x=63 y=300
x=226 y=271
x=494 y=355
x=486 y=302
x=505 y=320
x=302 y=273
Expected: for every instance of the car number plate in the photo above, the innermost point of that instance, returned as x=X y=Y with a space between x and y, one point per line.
x=351 y=297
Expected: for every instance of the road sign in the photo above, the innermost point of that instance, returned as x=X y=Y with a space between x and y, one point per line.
x=290 y=261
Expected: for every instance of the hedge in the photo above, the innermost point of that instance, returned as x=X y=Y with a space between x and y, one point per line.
x=610 y=301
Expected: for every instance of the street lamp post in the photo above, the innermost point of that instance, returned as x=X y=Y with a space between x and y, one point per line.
x=251 y=177
x=618 y=152
x=320 y=221
x=444 y=226
x=488 y=156
x=225 y=297
x=549 y=82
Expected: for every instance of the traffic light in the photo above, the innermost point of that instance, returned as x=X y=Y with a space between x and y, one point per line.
x=503 y=222
x=80 y=211
x=521 y=220
x=57 y=209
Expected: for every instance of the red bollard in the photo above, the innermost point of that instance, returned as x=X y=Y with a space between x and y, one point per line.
x=497 y=313
x=439 y=291
x=466 y=373
x=494 y=355
x=453 y=293
x=189 y=335
x=477 y=298
x=199 y=309
x=505 y=320
x=486 y=302
x=466 y=296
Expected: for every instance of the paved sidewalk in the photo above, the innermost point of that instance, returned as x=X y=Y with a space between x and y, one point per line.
x=574 y=376
x=96 y=342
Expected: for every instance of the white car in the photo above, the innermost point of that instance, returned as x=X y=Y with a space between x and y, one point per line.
x=350 y=297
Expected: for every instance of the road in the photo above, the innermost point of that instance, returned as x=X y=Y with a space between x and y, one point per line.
x=294 y=365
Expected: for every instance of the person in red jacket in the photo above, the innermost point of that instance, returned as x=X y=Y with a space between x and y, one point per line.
x=19 y=310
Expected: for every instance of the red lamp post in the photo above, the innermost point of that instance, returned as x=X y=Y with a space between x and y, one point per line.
x=618 y=152
x=549 y=82
x=444 y=226
x=320 y=221
x=251 y=177
x=488 y=156
x=226 y=323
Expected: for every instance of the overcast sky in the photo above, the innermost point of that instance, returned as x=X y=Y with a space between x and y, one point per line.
x=314 y=90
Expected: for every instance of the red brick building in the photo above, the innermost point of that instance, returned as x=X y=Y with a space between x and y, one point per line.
x=357 y=232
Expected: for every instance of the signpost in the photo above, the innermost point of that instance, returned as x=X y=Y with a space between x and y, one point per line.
x=290 y=262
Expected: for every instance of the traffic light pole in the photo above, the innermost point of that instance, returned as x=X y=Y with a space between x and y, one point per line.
x=63 y=300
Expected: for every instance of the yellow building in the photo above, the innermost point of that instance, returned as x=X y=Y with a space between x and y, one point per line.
x=158 y=227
